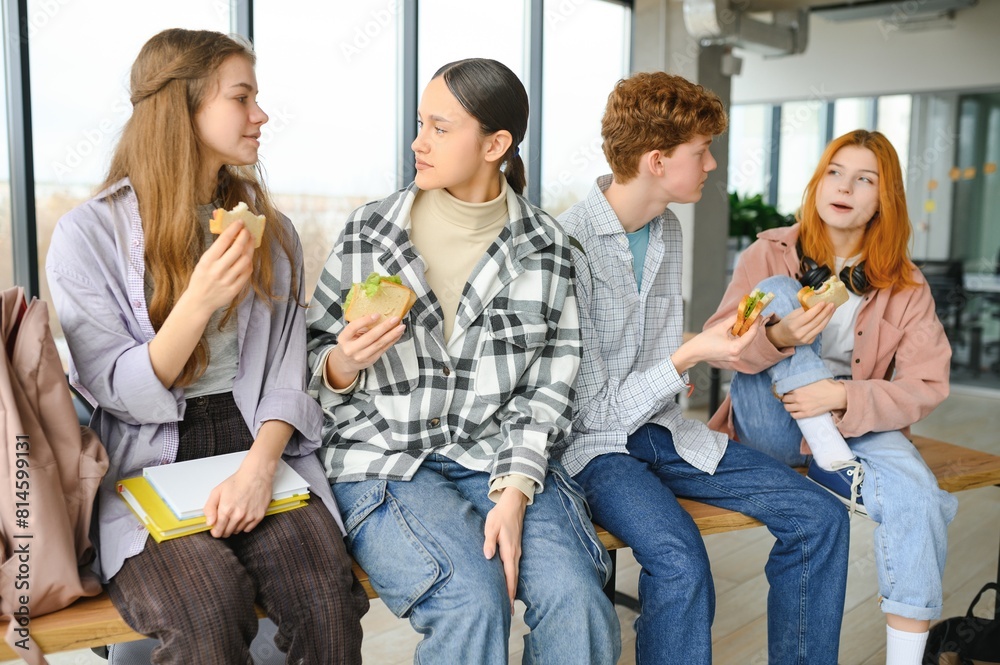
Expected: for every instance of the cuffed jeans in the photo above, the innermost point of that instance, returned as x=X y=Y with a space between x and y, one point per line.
x=900 y=493
x=421 y=542
x=634 y=496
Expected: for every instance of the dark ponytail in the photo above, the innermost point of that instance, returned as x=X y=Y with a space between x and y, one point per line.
x=514 y=170
x=493 y=95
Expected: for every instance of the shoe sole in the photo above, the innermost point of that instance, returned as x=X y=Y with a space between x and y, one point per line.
x=859 y=508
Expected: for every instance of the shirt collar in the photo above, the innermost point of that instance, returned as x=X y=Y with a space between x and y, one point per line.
x=604 y=220
x=114 y=189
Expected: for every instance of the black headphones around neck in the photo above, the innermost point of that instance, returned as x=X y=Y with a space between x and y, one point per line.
x=813 y=274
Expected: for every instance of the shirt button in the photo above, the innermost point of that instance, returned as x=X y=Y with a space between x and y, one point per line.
x=860 y=333
x=445 y=371
x=434 y=422
x=137 y=304
x=857 y=360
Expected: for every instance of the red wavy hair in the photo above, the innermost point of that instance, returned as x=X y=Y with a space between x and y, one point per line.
x=885 y=246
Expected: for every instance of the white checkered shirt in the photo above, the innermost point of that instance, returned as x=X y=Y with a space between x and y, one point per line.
x=497 y=396
x=627 y=379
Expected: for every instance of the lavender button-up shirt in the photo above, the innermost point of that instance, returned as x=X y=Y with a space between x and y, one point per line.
x=95 y=267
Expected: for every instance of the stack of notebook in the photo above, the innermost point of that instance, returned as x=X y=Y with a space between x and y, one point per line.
x=169 y=499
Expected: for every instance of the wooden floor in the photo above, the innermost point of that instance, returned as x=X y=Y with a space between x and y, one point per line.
x=738 y=558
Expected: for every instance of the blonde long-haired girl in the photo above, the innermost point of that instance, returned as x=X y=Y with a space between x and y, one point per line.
x=192 y=346
x=881 y=364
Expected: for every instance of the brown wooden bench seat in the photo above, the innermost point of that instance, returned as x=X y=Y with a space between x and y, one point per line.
x=93 y=622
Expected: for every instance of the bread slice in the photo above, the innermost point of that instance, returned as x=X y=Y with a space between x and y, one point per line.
x=221 y=219
x=832 y=290
x=750 y=308
x=389 y=299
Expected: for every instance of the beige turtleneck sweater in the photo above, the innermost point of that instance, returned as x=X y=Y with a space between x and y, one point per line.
x=452 y=236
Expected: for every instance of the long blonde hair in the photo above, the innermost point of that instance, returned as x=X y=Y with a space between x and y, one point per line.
x=885 y=246
x=160 y=153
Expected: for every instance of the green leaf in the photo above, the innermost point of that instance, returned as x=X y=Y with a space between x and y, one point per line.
x=371 y=286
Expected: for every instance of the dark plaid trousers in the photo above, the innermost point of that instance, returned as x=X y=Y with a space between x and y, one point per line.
x=196 y=594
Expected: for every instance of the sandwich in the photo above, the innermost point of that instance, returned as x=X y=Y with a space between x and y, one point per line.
x=381 y=294
x=832 y=290
x=749 y=309
x=222 y=218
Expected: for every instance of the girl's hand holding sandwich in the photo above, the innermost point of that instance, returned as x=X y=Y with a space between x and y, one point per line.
x=801 y=326
x=359 y=345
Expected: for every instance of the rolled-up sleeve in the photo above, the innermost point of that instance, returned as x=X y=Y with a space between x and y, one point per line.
x=284 y=396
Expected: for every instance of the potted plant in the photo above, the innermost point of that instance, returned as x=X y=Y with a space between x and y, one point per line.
x=751 y=215
x=748 y=217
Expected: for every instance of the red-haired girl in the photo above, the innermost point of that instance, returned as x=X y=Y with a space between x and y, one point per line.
x=880 y=365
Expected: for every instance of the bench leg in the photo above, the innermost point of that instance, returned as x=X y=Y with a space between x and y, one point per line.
x=714 y=390
x=615 y=596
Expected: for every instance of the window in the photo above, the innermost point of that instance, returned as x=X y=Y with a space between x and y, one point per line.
x=329 y=86
x=749 y=149
x=80 y=55
x=6 y=239
x=589 y=36
x=894 y=122
x=801 y=146
x=852 y=113
x=450 y=31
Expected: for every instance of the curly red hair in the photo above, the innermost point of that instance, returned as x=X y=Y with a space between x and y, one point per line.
x=656 y=111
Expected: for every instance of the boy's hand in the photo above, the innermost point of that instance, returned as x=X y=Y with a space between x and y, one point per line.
x=801 y=326
x=714 y=345
x=359 y=345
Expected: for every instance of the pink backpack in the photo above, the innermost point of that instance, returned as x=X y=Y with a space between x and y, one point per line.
x=50 y=470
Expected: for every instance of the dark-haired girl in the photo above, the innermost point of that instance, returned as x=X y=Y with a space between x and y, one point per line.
x=880 y=365
x=439 y=428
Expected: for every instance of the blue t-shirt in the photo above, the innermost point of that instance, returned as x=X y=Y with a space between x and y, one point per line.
x=638 y=242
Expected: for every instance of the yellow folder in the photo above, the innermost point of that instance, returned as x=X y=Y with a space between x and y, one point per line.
x=161 y=521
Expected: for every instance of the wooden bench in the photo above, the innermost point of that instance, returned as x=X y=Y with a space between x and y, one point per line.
x=93 y=622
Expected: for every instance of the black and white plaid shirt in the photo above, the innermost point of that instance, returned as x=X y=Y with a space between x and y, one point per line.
x=496 y=397
x=627 y=379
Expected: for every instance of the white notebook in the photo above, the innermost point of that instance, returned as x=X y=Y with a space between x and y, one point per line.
x=185 y=486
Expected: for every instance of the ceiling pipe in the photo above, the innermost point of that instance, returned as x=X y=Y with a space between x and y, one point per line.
x=719 y=22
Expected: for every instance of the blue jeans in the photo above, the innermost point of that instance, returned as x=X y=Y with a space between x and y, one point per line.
x=899 y=491
x=634 y=496
x=421 y=542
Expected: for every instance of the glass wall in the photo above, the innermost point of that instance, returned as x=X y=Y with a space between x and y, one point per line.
x=977 y=187
x=750 y=149
x=6 y=239
x=573 y=103
x=803 y=138
x=80 y=55
x=850 y=113
x=802 y=143
x=329 y=76
x=330 y=143
x=449 y=31
x=894 y=122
